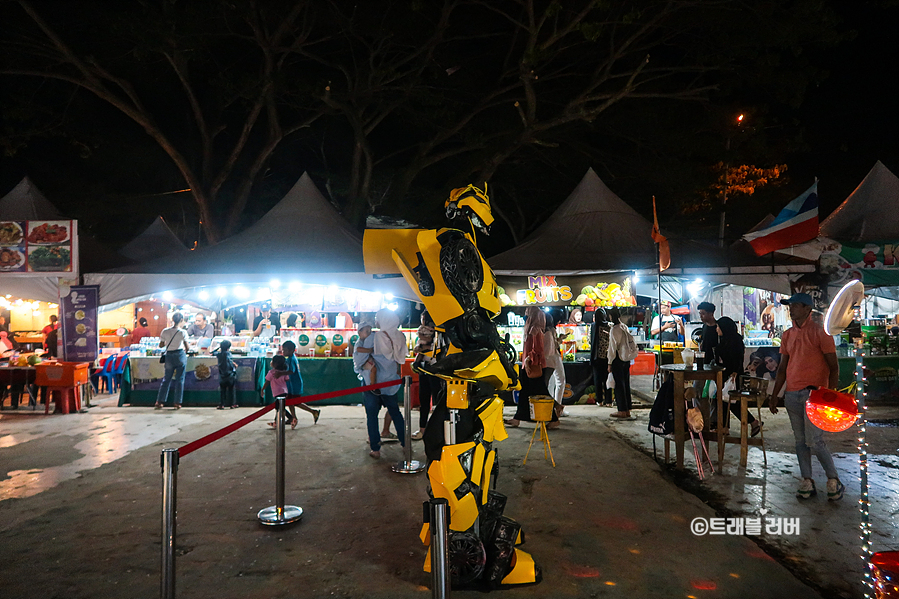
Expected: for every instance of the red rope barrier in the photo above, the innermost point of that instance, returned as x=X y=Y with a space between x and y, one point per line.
x=292 y=400
x=295 y=400
x=204 y=441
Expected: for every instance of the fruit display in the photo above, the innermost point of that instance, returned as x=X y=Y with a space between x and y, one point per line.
x=504 y=299
x=605 y=295
x=33 y=359
x=589 y=396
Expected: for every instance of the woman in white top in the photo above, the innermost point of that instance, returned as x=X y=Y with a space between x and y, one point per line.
x=552 y=351
x=174 y=340
x=620 y=369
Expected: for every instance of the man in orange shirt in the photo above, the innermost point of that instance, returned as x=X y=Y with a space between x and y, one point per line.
x=808 y=361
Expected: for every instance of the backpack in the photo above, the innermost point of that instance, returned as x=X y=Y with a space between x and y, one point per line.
x=661 y=416
x=629 y=347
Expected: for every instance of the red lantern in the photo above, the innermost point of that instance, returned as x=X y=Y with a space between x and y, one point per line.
x=884 y=567
x=830 y=410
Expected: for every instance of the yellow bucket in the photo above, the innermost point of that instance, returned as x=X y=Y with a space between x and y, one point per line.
x=541 y=408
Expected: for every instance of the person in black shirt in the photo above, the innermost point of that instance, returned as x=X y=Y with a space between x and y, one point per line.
x=709 y=329
x=729 y=355
x=267 y=317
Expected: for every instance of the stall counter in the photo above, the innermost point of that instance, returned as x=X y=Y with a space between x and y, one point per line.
x=143 y=375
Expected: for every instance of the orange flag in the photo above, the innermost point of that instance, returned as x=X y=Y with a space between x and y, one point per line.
x=664 y=250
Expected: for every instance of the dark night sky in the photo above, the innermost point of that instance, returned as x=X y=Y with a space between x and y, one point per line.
x=848 y=122
x=852 y=118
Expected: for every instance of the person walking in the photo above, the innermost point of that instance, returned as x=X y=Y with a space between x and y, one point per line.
x=389 y=354
x=295 y=383
x=599 y=349
x=174 y=340
x=618 y=366
x=808 y=361
x=533 y=369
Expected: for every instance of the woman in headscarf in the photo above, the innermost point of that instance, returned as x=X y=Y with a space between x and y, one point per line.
x=389 y=354
x=599 y=347
x=729 y=355
x=533 y=363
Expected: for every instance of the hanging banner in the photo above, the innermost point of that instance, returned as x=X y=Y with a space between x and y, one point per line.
x=873 y=263
x=816 y=286
x=39 y=248
x=78 y=312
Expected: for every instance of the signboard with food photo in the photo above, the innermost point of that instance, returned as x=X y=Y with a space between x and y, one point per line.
x=39 y=248
x=78 y=308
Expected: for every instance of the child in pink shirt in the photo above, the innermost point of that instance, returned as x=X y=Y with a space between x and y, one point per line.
x=276 y=378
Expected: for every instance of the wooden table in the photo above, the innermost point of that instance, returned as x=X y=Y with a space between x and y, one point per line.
x=682 y=375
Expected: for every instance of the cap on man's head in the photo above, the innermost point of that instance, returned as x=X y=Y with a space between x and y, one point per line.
x=266 y=308
x=799 y=298
x=365 y=322
x=706 y=306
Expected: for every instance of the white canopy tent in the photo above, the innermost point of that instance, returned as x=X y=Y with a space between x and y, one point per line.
x=594 y=231
x=155 y=241
x=302 y=240
x=26 y=202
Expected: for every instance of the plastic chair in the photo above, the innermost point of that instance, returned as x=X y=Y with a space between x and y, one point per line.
x=119 y=369
x=105 y=373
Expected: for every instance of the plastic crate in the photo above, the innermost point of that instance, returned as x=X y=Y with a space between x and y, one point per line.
x=61 y=374
x=644 y=364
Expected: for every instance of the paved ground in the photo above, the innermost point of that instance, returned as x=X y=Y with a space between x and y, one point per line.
x=80 y=503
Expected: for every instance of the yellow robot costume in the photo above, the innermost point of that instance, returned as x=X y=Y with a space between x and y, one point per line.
x=452 y=280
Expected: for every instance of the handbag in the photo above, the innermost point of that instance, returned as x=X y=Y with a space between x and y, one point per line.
x=162 y=356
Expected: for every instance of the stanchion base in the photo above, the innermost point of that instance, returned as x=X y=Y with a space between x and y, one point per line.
x=290 y=514
x=410 y=467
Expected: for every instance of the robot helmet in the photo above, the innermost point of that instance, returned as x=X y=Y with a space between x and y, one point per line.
x=472 y=203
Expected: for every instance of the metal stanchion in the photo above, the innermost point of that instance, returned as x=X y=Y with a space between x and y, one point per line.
x=280 y=514
x=169 y=463
x=407 y=465
x=439 y=527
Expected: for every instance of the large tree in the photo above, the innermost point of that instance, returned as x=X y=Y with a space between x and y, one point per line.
x=388 y=94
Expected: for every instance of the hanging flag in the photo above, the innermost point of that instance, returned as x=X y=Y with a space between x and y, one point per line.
x=664 y=250
x=797 y=223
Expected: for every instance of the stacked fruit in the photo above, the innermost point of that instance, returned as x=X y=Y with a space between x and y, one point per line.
x=605 y=294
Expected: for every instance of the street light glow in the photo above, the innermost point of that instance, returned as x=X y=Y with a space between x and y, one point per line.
x=740 y=119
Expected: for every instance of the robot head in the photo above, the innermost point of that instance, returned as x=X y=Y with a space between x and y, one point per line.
x=472 y=203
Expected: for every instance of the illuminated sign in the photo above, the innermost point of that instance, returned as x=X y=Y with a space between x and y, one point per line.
x=542 y=290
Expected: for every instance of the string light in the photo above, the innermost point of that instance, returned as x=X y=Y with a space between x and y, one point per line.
x=864 y=502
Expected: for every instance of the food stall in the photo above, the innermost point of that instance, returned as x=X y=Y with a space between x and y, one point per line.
x=325 y=354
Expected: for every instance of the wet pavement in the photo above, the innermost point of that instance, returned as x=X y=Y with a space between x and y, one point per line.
x=80 y=504
x=827 y=550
